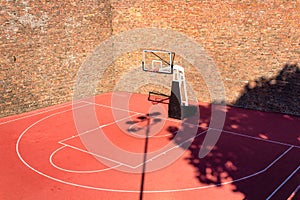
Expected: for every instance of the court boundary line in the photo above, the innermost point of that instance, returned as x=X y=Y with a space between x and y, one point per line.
x=228 y=182
x=149 y=191
x=139 y=136
x=137 y=113
x=45 y=110
x=99 y=127
x=97 y=155
x=121 y=109
x=294 y=192
x=107 y=106
x=177 y=146
x=230 y=132
x=283 y=183
x=146 y=191
x=133 y=166
x=87 y=102
x=260 y=139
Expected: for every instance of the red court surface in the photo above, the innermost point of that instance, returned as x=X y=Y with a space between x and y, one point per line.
x=44 y=156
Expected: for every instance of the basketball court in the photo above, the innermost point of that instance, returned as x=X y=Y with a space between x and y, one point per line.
x=122 y=145
x=256 y=157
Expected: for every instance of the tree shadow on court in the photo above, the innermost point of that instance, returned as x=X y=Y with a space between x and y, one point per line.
x=251 y=140
x=137 y=123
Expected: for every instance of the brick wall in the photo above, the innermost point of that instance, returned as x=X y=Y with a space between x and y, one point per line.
x=43 y=44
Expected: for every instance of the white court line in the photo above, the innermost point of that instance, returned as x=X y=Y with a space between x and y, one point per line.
x=115 y=108
x=175 y=147
x=41 y=112
x=131 y=166
x=137 y=113
x=97 y=155
x=230 y=132
x=257 y=138
x=76 y=171
x=288 y=178
x=131 y=191
x=99 y=127
x=68 y=104
x=228 y=182
x=294 y=193
x=154 y=136
x=194 y=188
x=121 y=109
x=142 y=128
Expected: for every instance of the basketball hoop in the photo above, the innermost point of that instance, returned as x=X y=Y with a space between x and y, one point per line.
x=158 y=61
x=162 y=62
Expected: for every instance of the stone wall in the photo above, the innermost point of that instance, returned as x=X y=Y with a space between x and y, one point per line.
x=43 y=44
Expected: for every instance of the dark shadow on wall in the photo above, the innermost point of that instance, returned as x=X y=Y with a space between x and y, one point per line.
x=250 y=139
x=277 y=94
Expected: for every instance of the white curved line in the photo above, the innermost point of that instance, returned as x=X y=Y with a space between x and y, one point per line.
x=76 y=171
x=127 y=165
x=94 y=154
x=41 y=112
x=130 y=191
x=99 y=127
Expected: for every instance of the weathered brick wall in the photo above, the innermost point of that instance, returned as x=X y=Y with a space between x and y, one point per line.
x=43 y=43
